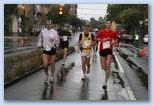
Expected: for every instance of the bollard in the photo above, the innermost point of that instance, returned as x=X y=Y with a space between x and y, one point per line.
x=142 y=52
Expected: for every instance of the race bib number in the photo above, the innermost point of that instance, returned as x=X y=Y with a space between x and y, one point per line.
x=87 y=43
x=106 y=44
x=64 y=38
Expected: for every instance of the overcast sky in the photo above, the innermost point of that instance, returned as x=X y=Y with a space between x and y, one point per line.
x=86 y=11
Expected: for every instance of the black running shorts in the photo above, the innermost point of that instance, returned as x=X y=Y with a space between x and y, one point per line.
x=105 y=52
x=51 y=52
x=64 y=44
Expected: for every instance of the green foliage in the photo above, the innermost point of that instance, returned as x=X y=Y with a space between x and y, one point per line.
x=66 y=17
x=131 y=16
x=128 y=14
x=114 y=10
x=9 y=9
x=96 y=23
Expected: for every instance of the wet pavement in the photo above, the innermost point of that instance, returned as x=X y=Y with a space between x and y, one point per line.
x=136 y=70
x=73 y=88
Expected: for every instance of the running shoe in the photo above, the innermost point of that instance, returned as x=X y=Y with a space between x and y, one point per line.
x=104 y=85
x=84 y=77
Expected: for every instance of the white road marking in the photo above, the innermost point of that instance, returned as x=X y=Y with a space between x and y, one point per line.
x=119 y=65
x=128 y=89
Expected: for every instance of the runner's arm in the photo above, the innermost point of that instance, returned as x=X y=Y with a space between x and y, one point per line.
x=60 y=33
x=57 y=40
x=79 y=41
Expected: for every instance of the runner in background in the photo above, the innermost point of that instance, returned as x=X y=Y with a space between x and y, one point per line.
x=65 y=35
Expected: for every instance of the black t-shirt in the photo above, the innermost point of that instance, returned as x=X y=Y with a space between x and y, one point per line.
x=80 y=37
x=65 y=35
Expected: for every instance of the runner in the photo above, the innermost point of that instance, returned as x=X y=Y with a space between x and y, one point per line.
x=95 y=46
x=64 y=42
x=86 y=41
x=49 y=41
x=107 y=39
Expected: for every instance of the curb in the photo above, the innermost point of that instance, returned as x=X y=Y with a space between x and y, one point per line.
x=126 y=57
x=139 y=70
x=128 y=89
x=7 y=84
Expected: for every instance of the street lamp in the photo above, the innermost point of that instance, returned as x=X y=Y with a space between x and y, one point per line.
x=141 y=29
x=141 y=26
x=146 y=26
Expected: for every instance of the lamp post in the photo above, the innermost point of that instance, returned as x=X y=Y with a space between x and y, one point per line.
x=146 y=26
x=141 y=30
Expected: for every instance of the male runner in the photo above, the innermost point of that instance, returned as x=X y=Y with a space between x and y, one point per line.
x=107 y=39
x=86 y=42
x=48 y=42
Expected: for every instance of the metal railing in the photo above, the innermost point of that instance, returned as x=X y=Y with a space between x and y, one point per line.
x=17 y=43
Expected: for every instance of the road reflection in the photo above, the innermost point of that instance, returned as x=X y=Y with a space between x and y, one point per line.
x=84 y=90
x=48 y=91
x=105 y=95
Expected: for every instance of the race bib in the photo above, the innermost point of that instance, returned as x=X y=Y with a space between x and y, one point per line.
x=64 y=38
x=106 y=44
x=87 y=43
x=47 y=49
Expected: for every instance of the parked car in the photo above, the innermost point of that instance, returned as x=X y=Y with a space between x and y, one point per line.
x=127 y=38
x=145 y=39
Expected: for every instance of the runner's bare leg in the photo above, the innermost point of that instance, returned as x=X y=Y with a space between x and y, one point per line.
x=108 y=71
x=45 y=63
x=53 y=57
x=83 y=64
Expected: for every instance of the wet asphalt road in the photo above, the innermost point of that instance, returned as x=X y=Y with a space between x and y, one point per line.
x=136 y=70
x=72 y=88
x=124 y=83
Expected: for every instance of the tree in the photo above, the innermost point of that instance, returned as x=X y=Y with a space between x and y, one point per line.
x=76 y=22
x=9 y=9
x=128 y=14
x=131 y=17
x=66 y=17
